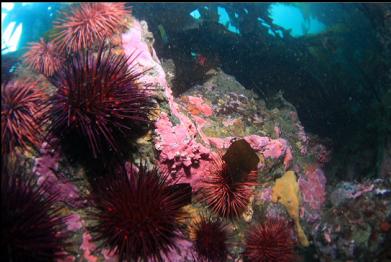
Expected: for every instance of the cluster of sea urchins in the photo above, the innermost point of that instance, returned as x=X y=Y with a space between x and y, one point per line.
x=98 y=100
x=269 y=242
x=210 y=239
x=23 y=105
x=33 y=229
x=138 y=213
x=89 y=23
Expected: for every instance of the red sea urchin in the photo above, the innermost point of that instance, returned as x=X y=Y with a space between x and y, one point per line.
x=43 y=57
x=229 y=182
x=32 y=229
x=23 y=105
x=210 y=238
x=98 y=100
x=138 y=214
x=89 y=23
x=269 y=242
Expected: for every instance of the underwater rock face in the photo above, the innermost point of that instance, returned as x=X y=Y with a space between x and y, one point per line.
x=290 y=183
x=357 y=226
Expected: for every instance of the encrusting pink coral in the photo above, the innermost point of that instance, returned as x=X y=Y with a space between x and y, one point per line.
x=313 y=193
x=257 y=142
x=176 y=143
x=45 y=167
x=275 y=149
x=197 y=105
x=180 y=153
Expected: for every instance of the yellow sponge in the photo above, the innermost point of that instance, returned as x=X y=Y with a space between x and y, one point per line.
x=286 y=192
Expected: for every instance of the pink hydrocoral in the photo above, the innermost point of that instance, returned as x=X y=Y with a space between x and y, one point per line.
x=257 y=142
x=313 y=192
x=177 y=145
x=197 y=104
x=132 y=41
x=275 y=149
x=220 y=143
x=179 y=152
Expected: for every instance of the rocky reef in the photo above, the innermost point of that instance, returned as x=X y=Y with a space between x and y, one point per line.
x=287 y=188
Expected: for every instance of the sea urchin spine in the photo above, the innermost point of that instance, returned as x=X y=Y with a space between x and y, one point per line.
x=23 y=105
x=32 y=227
x=270 y=242
x=210 y=238
x=224 y=193
x=138 y=215
x=98 y=100
x=89 y=23
x=43 y=57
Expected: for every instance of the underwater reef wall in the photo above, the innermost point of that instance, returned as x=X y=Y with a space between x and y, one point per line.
x=215 y=161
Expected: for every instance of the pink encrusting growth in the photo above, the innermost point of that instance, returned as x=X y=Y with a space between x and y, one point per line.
x=46 y=167
x=88 y=247
x=179 y=150
x=275 y=148
x=177 y=143
x=313 y=193
x=197 y=105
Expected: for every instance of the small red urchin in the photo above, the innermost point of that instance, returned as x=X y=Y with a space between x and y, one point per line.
x=23 y=105
x=138 y=214
x=210 y=237
x=43 y=57
x=33 y=229
x=270 y=242
x=89 y=23
x=228 y=184
x=98 y=100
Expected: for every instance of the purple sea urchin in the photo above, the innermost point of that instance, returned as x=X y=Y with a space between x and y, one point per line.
x=210 y=238
x=138 y=214
x=98 y=100
x=269 y=242
x=32 y=228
